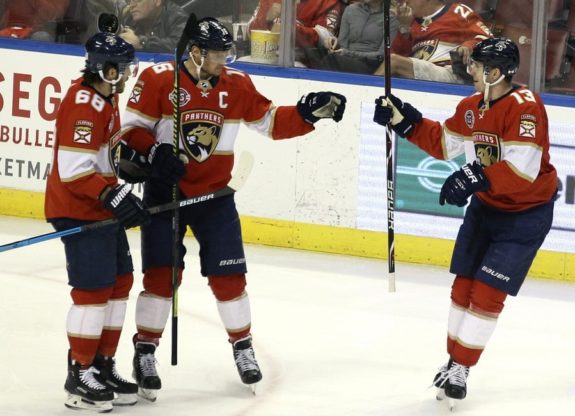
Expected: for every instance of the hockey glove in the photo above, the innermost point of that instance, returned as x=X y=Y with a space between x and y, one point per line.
x=402 y=116
x=326 y=104
x=132 y=166
x=165 y=164
x=462 y=183
x=125 y=206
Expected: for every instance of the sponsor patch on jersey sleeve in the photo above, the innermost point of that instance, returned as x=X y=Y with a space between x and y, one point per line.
x=83 y=132
x=136 y=93
x=527 y=126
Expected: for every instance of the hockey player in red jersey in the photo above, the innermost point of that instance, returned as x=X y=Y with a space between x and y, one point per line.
x=213 y=100
x=82 y=187
x=503 y=132
x=424 y=49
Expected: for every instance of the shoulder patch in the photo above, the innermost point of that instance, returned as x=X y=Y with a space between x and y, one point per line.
x=469 y=118
x=527 y=124
x=83 y=131
x=136 y=92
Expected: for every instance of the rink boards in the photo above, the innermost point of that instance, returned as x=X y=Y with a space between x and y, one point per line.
x=325 y=191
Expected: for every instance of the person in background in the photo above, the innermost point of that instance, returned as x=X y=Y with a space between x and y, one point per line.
x=32 y=19
x=503 y=131
x=82 y=188
x=153 y=25
x=80 y=20
x=360 y=44
x=317 y=21
x=213 y=101
x=2 y=10
x=437 y=34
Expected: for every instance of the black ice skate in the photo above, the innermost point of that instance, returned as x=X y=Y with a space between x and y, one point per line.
x=125 y=392
x=144 y=372
x=456 y=383
x=84 y=390
x=246 y=363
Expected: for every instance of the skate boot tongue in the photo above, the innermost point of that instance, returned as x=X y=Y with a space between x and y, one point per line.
x=243 y=344
x=146 y=347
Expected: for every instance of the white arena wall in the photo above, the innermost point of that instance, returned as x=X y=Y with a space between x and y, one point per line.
x=325 y=191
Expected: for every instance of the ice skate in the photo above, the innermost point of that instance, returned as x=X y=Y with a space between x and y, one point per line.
x=144 y=372
x=84 y=390
x=246 y=363
x=456 y=384
x=125 y=392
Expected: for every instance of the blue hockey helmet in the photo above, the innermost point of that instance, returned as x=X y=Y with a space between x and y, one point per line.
x=211 y=34
x=499 y=53
x=106 y=48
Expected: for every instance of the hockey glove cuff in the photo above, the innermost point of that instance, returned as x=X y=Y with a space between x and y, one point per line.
x=402 y=116
x=165 y=164
x=132 y=166
x=463 y=183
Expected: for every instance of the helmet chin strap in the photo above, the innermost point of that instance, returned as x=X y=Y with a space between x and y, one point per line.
x=198 y=66
x=488 y=85
x=112 y=82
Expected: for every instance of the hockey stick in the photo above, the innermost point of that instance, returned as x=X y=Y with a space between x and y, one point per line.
x=389 y=154
x=242 y=172
x=191 y=24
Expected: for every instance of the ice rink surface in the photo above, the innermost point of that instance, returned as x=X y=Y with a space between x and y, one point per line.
x=330 y=339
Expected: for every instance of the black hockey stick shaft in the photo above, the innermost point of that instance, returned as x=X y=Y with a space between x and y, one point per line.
x=389 y=153
x=180 y=48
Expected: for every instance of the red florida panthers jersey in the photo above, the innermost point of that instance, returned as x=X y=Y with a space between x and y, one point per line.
x=209 y=122
x=510 y=139
x=433 y=37
x=87 y=129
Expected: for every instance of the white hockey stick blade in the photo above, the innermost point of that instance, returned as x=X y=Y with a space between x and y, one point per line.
x=242 y=171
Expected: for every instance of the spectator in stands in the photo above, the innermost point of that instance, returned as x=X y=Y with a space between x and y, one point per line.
x=423 y=50
x=317 y=21
x=79 y=23
x=218 y=8
x=153 y=25
x=32 y=19
x=360 y=44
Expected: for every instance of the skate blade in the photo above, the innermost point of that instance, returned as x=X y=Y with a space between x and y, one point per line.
x=451 y=402
x=125 y=399
x=148 y=394
x=76 y=402
x=253 y=388
x=440 y=394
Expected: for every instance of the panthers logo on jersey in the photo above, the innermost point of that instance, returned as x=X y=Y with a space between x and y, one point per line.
x=424 y=50
x=201 y=130
x=486 y=148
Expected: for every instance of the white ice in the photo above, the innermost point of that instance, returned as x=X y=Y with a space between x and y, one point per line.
x=329 y=338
